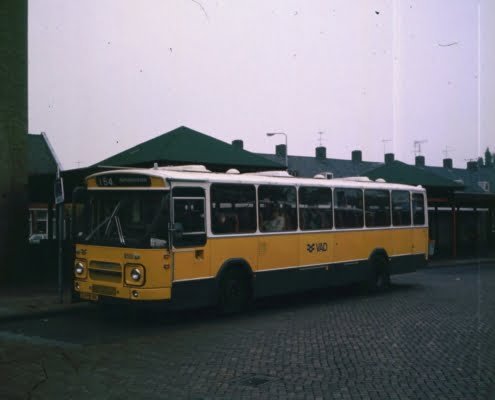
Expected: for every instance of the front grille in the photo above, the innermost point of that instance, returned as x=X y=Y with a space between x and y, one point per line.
x=105 y=271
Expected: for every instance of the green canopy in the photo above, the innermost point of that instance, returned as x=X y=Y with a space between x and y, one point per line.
x=186 y=146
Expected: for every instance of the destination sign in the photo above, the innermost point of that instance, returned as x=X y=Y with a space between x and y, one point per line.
x=120 y=180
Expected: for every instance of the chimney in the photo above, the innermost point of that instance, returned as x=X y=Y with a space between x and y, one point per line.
x=420 y=161
x=321 y=152
x=472 y=165
x=280 y=150
x=389 y=158
x=447 y=163
x=239 y=144
x=357 y=156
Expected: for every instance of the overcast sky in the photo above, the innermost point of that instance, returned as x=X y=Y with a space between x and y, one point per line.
x=105 y=75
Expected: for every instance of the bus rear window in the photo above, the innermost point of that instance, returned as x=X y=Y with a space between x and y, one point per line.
x=418 y=204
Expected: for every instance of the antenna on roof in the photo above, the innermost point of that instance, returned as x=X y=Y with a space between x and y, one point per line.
x=385 y=141
x=446 y=151
x=320 y=139
x=114 y=167
x=417 y=146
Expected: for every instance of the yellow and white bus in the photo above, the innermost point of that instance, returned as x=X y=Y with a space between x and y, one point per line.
x=190 y=237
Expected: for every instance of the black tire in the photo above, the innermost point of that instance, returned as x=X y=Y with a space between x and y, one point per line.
x=380 y=275
x=234 y=292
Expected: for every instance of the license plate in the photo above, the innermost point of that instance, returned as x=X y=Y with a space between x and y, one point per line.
x=89 y=296
x=104 y=290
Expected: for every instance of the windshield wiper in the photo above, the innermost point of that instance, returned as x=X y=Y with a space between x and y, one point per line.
x=107 y=221
x=119 y=230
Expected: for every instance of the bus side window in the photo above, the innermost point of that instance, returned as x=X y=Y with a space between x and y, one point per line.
x=401 y=208
x=377 y=204
x=315 y=208
x=233 y=208
x=348 y=208
x=277 y=208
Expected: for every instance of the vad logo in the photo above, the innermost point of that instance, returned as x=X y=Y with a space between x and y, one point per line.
x=319 y=247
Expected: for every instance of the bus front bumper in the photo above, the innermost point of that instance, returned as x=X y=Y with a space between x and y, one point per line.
x=93 y=291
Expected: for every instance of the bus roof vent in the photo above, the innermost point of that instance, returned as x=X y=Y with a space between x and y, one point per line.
x=324 y=175
x=233 y=171
x=357 y=178
x=380 y=180
x=278 y=174
x=186 y=168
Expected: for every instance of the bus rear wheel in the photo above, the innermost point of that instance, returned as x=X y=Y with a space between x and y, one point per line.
x=235 y=293
x=380 y=275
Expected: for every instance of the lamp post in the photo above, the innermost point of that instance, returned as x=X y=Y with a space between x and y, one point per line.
x=286 y=147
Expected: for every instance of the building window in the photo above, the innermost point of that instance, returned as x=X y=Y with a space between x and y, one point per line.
x=38 y=221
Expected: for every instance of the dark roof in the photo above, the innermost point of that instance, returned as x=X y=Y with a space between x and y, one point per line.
x=306 y=166
x=399 y=172
x=40 y=159
x=186 y=146
x=469 y=178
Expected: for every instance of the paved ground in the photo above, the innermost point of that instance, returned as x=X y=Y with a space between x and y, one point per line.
x=431 y=337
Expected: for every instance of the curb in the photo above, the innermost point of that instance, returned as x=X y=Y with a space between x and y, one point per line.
x=458 y=263
x=48 y=311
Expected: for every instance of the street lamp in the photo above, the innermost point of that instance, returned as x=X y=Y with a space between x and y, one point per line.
x=286 y=147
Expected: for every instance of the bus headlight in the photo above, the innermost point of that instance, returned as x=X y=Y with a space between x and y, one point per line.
x=134 y=275
x=80 y=270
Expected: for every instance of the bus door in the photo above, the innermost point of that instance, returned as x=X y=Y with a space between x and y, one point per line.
x=190 y=260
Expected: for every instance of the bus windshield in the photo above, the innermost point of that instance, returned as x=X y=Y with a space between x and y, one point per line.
x=124 y=219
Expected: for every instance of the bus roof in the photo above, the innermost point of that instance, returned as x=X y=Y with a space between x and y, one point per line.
x=199 y=174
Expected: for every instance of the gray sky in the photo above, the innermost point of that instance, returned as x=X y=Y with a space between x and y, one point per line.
x=105 y=75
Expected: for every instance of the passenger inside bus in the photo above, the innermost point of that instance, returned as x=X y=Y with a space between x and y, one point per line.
x=226 y=223
x=276 y=222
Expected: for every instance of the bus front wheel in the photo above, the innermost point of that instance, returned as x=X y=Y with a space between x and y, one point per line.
x=235 y=294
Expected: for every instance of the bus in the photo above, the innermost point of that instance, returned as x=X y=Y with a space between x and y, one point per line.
x=188 y=237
